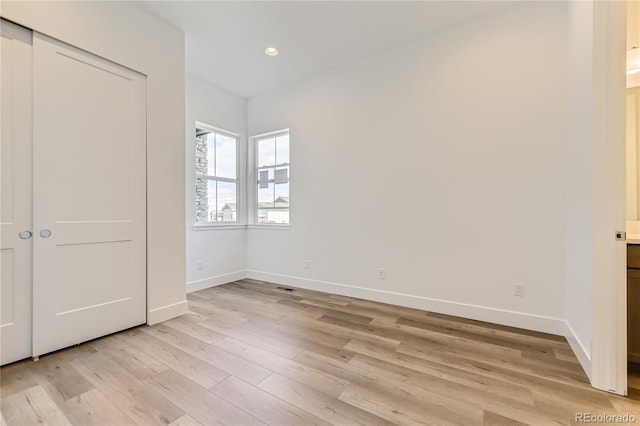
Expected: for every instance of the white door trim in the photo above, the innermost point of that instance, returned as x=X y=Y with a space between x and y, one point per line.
x=609 y=350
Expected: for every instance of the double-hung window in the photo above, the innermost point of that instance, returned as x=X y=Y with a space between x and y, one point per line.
x=216 y=175
x=272 y=172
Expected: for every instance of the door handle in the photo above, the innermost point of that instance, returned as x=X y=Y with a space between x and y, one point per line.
x=25 y=235
x=45 y=233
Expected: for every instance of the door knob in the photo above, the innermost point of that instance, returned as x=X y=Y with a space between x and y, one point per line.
x=25 y=235
x=45 y=233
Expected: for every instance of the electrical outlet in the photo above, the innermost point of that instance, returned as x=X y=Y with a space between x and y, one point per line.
x=381 y=273
x=518 y=289
x=199 y=265
x=307 y=264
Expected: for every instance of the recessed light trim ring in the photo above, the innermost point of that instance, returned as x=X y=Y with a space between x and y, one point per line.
x=271 y=51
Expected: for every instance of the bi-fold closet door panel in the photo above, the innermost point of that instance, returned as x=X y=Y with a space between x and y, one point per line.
x=88 y=197
x=15 y=192
x=89 y=276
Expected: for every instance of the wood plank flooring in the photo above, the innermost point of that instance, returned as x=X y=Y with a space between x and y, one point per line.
x=253 y=353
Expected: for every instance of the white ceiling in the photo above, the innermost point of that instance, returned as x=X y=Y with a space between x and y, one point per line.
x=225 y=41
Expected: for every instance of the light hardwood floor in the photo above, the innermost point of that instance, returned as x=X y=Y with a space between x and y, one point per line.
x=253 y=353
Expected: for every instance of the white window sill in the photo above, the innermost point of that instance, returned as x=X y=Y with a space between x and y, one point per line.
x=228 y=227
x=270 y=226
x=218 y=227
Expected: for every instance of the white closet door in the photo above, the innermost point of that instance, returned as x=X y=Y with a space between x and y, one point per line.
x=15 y=207
x=89 y=276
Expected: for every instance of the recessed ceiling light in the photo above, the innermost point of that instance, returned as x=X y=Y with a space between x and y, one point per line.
x=271 y=51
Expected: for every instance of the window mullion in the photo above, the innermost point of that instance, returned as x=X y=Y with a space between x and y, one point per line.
x=215 y=157
x=273 y=165
x=221 y=179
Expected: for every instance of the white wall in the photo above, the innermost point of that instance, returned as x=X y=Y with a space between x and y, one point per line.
x=442 y=161
x=127 y=35
x=223 y=252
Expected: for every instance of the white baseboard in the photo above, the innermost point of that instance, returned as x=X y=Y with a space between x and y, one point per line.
x=581 y=352
x=480 y=313
x=165 y=313
x=215 y=281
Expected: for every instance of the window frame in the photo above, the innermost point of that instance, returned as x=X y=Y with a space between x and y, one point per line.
x=255 y=179
x=239 y=222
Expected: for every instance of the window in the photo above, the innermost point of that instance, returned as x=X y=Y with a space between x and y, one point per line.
x=272 y=171
x=216 y=175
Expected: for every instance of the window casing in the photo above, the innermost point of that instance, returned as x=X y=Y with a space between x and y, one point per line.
x=217 y=169
x=272 y=172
